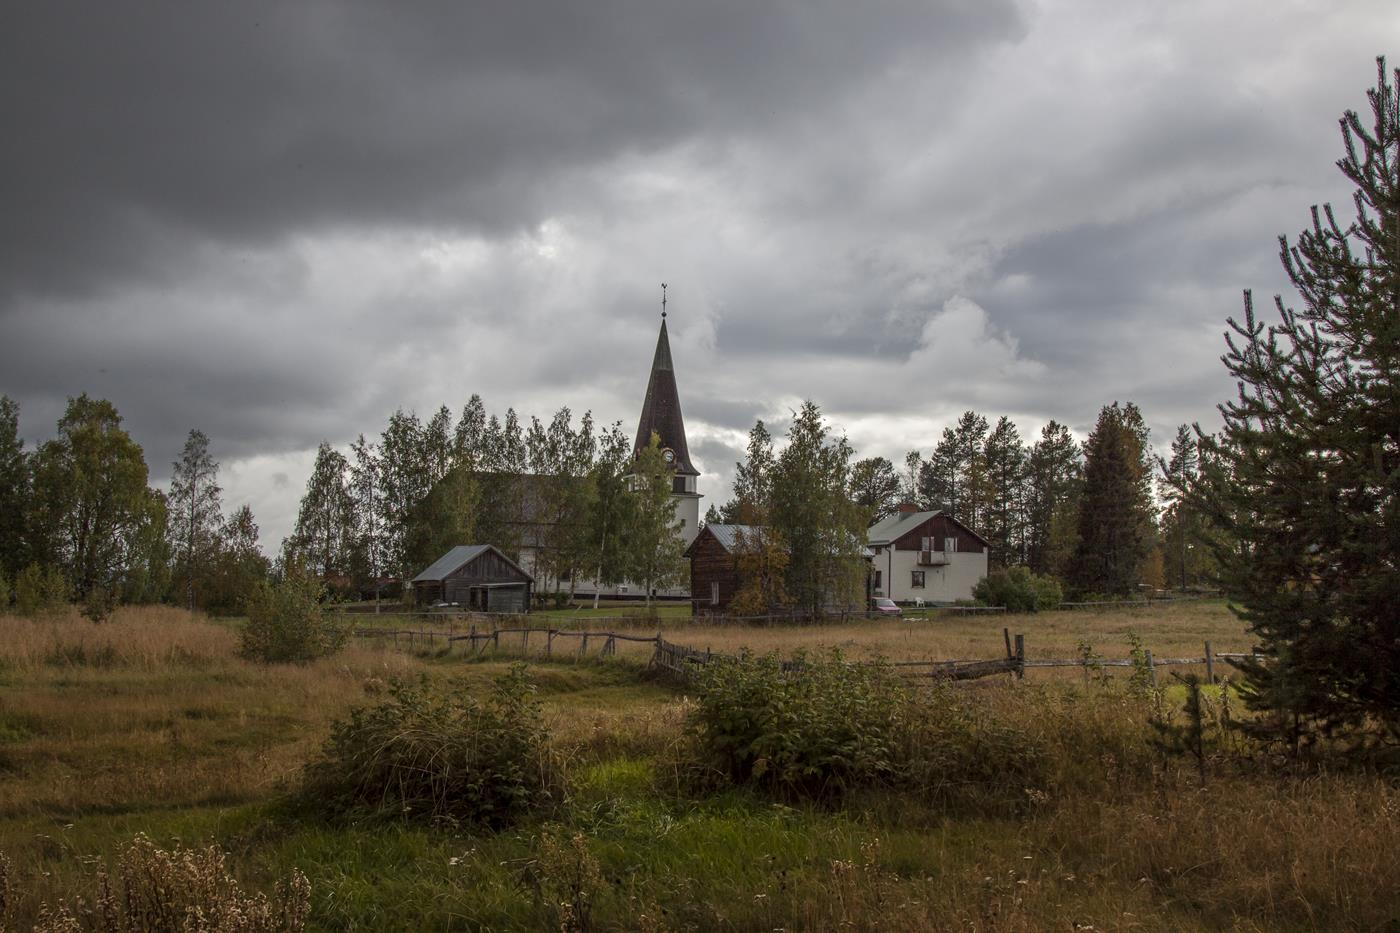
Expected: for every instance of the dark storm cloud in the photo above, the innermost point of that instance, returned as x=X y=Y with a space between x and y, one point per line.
x=281 y=222
x=128 y=124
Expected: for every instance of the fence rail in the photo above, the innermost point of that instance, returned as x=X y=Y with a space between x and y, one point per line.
x=683 y=660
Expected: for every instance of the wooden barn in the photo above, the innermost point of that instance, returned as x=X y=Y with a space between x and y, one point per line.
x=714 y=566
x=475 y=577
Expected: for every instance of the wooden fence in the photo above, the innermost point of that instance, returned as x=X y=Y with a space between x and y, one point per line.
x=682 y=660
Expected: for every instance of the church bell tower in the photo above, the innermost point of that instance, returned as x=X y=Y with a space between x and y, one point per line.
x=661 y=414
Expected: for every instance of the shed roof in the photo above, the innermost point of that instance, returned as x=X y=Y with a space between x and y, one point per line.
x=728 y=536
x=458 y=557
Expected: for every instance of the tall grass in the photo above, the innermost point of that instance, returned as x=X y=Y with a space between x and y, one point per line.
x=144 y=637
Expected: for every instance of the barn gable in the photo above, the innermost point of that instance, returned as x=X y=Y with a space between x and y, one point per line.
x=477 y=577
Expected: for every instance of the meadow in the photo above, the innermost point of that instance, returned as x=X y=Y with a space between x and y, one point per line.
x=152 y=724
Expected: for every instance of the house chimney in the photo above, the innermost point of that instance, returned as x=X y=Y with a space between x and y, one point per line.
x=907 y=508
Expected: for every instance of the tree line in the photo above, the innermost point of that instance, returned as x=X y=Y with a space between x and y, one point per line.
x=79 y=520
x=572 y=493
x=80 y=507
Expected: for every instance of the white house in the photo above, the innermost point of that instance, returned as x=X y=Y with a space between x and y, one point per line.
x=928 y=556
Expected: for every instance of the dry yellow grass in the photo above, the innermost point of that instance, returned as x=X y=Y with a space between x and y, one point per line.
x=1178 y=630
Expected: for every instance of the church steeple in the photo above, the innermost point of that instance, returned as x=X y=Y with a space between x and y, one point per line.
x=661 y=411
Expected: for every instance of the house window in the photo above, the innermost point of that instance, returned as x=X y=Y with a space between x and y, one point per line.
x=950 y=545
x=916 y=579
x=714 y=594
x=877 y=579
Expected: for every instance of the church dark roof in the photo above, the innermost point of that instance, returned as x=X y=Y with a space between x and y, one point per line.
x=661 y=412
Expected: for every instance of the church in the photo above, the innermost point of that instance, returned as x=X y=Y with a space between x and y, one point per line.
x=661 y=414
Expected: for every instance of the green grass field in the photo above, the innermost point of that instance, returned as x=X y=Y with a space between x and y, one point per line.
x=152 y=724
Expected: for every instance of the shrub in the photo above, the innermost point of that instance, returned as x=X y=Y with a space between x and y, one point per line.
x=439 y=754
x=286 y=624
x=816 y=727
x=101 y=602
x=1018 y=590
x=5 y=591
x=178 y=890
x=40 y=590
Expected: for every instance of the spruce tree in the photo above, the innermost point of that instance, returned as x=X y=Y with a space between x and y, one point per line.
x=1115 y=510
x=1306 y=472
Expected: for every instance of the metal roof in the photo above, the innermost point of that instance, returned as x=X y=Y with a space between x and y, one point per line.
x=892 y=527
x=727 y=535
x=457 y=557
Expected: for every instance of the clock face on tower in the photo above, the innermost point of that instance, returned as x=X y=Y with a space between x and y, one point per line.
x=668 y=455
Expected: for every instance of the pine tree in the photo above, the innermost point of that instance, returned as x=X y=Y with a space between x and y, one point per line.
x=875 y=487
x=197 y=513
x=1306 y=472
x=1115 y=510
x=954 y=478
x=1004 y=466
x=1053 y=483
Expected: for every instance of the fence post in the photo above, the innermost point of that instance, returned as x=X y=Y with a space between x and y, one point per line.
x=495 y=639
x=583 y=646
x=1006 y=634
x=525 y=641
x=1151 y=668
x=1210 y=665
x=1020 y=657
x=549 y=644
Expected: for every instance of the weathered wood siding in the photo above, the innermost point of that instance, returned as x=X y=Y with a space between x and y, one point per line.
x=711 y=563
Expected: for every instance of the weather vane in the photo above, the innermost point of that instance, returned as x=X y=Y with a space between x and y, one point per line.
x=663 y=301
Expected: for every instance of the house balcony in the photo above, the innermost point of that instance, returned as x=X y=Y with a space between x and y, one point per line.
x=933 y=558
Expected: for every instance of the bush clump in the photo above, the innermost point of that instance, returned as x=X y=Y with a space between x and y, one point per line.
x=286 y=624
x=40 y=591
x=814 y=727
x=1019 y=590
x=821 y=726
x=437 y=753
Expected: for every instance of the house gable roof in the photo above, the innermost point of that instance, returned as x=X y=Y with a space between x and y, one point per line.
x=459 y=557
x=893 y=527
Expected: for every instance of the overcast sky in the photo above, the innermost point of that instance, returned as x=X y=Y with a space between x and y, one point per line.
x=280 y=222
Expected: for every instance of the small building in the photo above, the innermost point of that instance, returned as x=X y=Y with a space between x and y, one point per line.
x=475 y=577
x=714 y=566
x=925 y=556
